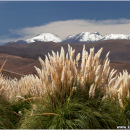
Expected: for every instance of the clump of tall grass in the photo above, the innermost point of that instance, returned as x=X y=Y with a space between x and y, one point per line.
x=7 y=118
x=69 y=94
x=12 y=89
x=73 y=114
x=60 y=76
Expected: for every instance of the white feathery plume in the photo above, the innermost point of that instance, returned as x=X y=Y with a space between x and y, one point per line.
x=20 y=97
x=78 y=57
x=92 y=90
x=60 y=68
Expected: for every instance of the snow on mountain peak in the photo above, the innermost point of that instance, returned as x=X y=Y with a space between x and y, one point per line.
x=88 y=37
x=115 y=36
x=84 y=37
x=45 y=37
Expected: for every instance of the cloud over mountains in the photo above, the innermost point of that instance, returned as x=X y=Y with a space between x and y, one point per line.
x=65 y=28
x=72 y=27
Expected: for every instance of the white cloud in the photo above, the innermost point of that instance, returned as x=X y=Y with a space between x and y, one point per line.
x=71 y=27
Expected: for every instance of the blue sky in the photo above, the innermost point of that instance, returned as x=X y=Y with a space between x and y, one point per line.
x=21 y=20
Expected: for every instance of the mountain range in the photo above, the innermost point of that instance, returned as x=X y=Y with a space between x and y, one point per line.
x=83 y=37
x=23 y=55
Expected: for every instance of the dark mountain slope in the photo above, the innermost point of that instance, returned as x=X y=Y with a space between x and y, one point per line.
x=22 y=58
x=119 y=49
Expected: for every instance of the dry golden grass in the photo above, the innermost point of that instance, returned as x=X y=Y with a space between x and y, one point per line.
x=61 y=74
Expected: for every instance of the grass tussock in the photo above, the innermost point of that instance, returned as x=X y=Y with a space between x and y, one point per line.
x=66 y=94
x=74 y=114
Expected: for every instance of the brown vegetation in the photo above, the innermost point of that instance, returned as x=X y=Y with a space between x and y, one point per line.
x=22 y=58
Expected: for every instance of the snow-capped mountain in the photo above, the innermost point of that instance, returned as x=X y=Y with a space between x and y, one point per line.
x=83 y=37
x=116 y=36
x=45 y=37
x=88 y=37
